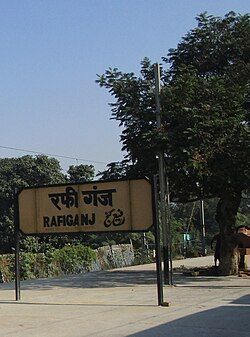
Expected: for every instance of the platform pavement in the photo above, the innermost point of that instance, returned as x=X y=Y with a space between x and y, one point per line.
x=123 y=302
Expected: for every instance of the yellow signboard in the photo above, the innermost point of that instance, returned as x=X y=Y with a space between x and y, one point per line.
x=124 y=205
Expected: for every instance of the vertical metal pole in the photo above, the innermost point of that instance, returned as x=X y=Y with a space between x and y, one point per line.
x=161 y=176
x=170 y=275
x=157 y=246
x=144 y=248
x=17 y=248
x=203 y=231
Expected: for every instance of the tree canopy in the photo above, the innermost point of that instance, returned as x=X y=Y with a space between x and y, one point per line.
x=204 y=115
x=17 y=173
x=81 y=173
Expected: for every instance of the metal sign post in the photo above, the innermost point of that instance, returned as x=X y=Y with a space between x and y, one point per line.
x=93 y=207
x=203 y=231
x=170 y=274
x=164 y=222
x=17 y=247
x=157 y=247
x=124 y=205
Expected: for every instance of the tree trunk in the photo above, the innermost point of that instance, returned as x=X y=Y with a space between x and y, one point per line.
x=226 y=217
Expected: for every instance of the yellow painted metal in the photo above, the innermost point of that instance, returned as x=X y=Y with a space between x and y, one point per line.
x=124 y=205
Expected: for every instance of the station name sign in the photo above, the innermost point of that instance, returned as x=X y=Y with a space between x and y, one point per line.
x=122 y=205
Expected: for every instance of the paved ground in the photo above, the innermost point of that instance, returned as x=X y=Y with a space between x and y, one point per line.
x=123 y=302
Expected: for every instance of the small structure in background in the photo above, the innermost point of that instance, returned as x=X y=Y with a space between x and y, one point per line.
x=186 y=242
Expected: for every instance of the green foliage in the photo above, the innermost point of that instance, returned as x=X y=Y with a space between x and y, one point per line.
x=143 y=256
x=31 y=266
x=243 y=216
x=73 y=259
x=81 y=173
x=217 y=46
x=242 y=220
x=210 y=70
x=134 y=110
x=6 y=268
x=204 y=131
x=54 y=262
x=17 y=173
x=115 y=170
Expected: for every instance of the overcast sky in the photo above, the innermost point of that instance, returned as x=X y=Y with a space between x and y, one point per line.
x=51 y=51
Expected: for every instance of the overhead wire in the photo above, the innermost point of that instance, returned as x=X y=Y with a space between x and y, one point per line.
x=53 y=155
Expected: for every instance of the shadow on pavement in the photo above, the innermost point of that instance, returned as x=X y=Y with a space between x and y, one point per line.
x=92 y=305
x=189 y=281
x=118 y=278
x=103 y=279
x=243 y=300
x=224 y=321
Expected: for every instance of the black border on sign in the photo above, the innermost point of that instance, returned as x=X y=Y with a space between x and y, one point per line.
x=88 y=232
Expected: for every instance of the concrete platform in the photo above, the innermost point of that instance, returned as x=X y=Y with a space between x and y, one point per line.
x=123 y=302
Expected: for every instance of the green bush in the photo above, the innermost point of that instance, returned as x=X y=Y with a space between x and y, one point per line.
x=73 y=259
x=54 y=262
x=143 y=256
x=7 y=264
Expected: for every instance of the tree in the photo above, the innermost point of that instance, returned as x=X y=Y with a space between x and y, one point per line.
x=19 y=173
x=33 y=171
x=81 y=173
x=118 y=170
x=204 y=119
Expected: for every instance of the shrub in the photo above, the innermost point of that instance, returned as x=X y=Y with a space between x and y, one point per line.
x=73 y=259
x=54 y=262
x=6 y=268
